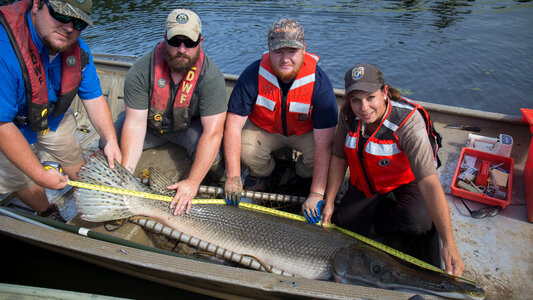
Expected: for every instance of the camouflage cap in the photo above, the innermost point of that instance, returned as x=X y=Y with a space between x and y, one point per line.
x=363 y=77
x=184 y=22
x=79 y=9
x=285 y=33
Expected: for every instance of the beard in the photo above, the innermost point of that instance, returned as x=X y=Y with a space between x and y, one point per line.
x=179 y=65
x=287 y=75
x=53 y=48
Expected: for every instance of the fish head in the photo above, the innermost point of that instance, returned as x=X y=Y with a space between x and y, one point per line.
x=362 y=264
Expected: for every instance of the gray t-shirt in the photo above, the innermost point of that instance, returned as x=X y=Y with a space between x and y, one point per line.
x=413 y=139
x=211 y=98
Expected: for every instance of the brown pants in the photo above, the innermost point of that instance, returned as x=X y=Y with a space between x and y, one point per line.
x=258 y=145
x=60 y=146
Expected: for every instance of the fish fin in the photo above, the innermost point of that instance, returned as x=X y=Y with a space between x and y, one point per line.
x=98 y=206
x=159 y=183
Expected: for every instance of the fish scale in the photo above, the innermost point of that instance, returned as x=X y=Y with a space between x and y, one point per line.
x=299 y=248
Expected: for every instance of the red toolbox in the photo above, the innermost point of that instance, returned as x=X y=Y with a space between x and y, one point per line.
x=504 y=165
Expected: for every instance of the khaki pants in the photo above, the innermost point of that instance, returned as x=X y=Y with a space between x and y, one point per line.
x=258 y=145
x=60 y=146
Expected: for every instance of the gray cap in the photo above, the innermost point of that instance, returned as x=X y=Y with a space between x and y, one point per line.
x=363 y=77
x=285 y=33
x=184 y=22
x=79 y=9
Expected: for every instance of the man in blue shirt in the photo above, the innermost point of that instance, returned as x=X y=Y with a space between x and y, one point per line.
x=43 y=65
x=282 y=100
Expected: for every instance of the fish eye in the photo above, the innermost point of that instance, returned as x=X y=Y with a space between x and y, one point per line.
x=376 y=268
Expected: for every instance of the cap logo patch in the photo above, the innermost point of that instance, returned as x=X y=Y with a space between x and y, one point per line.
x=182 y=18
x=80 y=1
x=358 y=73
x=161 y=82
x=71 y=61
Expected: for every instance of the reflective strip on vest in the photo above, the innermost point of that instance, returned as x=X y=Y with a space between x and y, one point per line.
x=266 y=103
x=351 y=141
x=390 y=125
x=269 y=76
x=382 y=149
x=301 y=108
x=401 y=105
x=303 y=81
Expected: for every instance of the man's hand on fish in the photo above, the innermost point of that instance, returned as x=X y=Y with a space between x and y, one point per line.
x=112 y=152
x=52 y=179
x=327 y=212
x=185 y=192
x=233 y=190
x=452 y=260
x=312 y=208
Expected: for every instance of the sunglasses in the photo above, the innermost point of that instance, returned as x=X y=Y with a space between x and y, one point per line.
x=489 y=211
x=77 y=23
x=176 y=42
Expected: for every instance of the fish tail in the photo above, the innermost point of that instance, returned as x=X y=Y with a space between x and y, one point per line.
x=98 y=206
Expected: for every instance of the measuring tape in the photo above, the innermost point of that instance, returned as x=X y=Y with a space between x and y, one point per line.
x=413 y=260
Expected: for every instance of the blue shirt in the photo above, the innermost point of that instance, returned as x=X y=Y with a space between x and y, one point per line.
x=324 y=102
x=12 y=87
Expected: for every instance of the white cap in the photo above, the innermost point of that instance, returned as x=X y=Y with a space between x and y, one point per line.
x=184 y=22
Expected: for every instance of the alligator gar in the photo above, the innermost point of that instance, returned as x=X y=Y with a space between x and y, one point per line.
x=297 y=247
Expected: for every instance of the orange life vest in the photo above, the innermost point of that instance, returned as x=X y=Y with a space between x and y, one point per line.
x=166 y=114
x=13 y=18
x=385 y=165
x=292 y=116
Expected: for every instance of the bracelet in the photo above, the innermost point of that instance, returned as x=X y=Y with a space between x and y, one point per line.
x=317 y=194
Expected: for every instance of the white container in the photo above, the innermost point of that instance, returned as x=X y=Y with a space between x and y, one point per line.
x=501 y=145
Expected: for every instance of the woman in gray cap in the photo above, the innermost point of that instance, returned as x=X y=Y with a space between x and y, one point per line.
x=389 y=144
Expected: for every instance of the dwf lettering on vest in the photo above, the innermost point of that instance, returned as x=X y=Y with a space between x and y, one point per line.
x=186 y=87
x=36 y=66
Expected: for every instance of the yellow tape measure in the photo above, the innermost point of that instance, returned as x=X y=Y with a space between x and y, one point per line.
x=413 y=260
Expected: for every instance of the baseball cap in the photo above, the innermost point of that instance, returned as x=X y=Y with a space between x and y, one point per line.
x=79 y=9
x=184 y=22
x=363 y=77
x=285 y=33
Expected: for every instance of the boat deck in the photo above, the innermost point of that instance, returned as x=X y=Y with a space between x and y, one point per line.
x=497 y=251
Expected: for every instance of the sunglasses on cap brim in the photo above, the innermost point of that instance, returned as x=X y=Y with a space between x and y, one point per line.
x=77 y=23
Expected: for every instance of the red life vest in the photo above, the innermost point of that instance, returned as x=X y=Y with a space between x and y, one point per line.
x=290 y=117
x=385 y=165
x=160 y=118
x=13 y=18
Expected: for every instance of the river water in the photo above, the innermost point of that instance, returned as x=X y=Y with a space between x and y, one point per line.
x=473 y=54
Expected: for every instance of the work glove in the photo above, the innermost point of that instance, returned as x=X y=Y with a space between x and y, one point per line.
x=233 y=190
x=312 y=209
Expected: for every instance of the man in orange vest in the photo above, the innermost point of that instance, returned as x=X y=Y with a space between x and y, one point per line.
x=282 y=100
x=176 y=94
x=44 y=64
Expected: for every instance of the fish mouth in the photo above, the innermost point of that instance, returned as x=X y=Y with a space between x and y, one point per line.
x=362 y=264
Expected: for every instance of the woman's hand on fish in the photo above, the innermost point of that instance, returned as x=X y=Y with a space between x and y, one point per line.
x=452 y=260
x=185 y=192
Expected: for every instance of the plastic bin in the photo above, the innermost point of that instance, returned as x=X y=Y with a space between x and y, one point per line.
x=527 y=115
x=508 y=165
